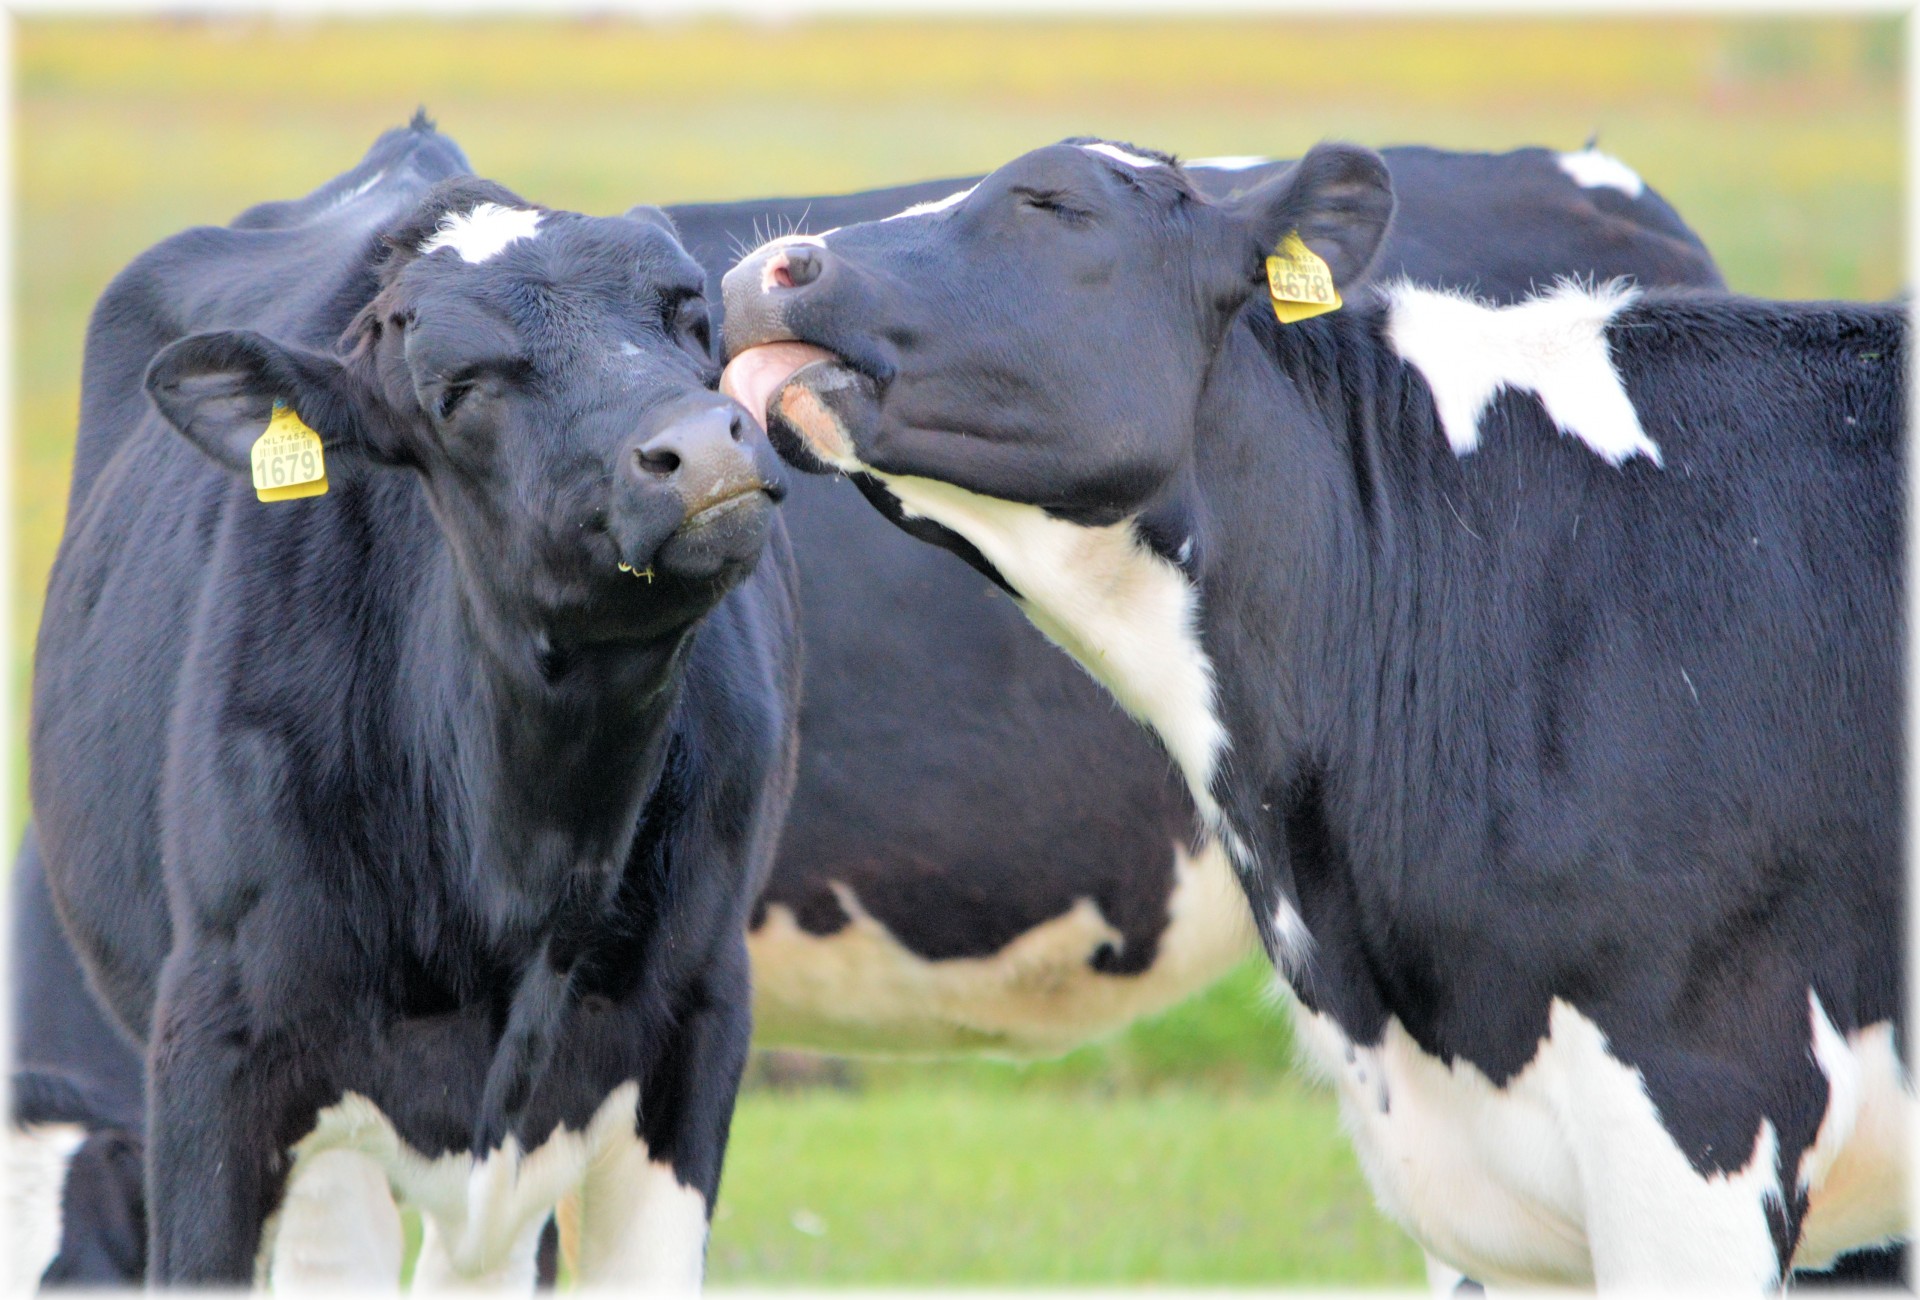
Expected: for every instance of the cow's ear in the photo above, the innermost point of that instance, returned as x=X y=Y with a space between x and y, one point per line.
x=647 y=214
x=218 y=390
x=1339 y=199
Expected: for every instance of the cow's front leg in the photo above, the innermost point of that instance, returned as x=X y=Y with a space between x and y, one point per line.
x=219 y=1103
x=1653 y=1222
x=644 y=1206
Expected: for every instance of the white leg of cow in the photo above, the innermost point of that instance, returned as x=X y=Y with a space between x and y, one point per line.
x=37 y=1160
x=639 y=1225
x=1653 y=1224
x=338 y=1228
x=514 y=1268
x=1443 y=1279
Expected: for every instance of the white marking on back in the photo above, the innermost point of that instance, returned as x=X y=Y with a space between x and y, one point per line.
x=1118 y=154
x=481 y=233
x=859 y=988
x=37 y=1160
x=1565 y=1174
x=1238 y=162
x=1553 y=346
x=359 y=190
x=936 y=205
x=1592 y=169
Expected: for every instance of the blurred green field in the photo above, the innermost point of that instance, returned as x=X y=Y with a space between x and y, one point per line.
x=1184 y=1151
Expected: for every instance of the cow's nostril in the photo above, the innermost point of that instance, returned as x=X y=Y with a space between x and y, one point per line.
x=738 y=428
x=662 y=461
x=802 y=269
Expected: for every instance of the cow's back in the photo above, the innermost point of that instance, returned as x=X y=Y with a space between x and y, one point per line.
x=146 y=514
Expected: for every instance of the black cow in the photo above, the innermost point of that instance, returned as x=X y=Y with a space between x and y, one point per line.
x=414 y=828
x=1540 y=665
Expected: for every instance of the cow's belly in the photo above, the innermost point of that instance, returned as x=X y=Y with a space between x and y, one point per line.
x=860 y=989
x=1480 y=1176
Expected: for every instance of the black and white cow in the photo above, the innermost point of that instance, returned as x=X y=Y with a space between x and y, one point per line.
x=414 y=827
x=969 y=866
x=983 y=854
x=1540 y=664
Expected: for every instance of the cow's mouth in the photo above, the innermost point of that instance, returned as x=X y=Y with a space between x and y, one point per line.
x=811 y=402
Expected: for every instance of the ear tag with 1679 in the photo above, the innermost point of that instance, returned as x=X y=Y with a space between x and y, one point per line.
x=288 y=462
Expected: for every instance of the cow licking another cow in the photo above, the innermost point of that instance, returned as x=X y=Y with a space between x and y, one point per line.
x=852 y=949
x=1539 y=665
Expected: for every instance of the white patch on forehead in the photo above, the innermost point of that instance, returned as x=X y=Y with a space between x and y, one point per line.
x=483 y=232
x=37 y=1160
x=1237 y=162
x=1592 y=169
x=1553 y=346
x=1118 y=154
x=1563 y=1175
x=860 y=989
x=936 y=205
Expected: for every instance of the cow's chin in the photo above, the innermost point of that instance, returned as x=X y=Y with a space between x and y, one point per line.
x=814 y=407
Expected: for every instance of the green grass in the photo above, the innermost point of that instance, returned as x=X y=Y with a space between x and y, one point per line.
x=1182 y=1150
x=937 y=1185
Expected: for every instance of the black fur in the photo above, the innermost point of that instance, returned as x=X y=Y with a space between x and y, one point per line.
x=406 y=790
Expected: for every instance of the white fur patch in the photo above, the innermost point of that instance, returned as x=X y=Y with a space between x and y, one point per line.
x=936 y=205
x=1128 y=616
x=635 y=1225
x=1120 y=155
x=483 y=232
x=1565 y=1175
x=481 y=1218
x=1856 y=1171
x=1238 y=162
x=1592 y=169
x=36 y=1175
x=860 y=988
x=1553 y=346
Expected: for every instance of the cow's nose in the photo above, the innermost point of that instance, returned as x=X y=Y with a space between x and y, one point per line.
x=702 y=458
x=800 y=266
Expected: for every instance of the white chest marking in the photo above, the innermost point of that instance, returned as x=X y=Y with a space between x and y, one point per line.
x=1592 y=169
x=1567 y=1175
x=1855 y=1172
x=481 y=233
x=936 y=205
x=481 y=1217
x=1128 y=616
x=860 y=989
x=1120 y=155
x=1553 y=346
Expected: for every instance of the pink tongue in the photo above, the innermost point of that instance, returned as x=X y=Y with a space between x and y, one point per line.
x=751 y=377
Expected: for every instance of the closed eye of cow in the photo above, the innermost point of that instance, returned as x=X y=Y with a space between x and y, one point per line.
x=1537 y=665
x=458 y=913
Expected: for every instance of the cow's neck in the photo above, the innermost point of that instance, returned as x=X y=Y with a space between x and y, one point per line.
x=1333 y=645
x=552 y=762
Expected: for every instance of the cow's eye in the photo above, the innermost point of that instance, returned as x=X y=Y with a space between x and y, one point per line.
x=451 y=396
x=1054 y=205
x=687 y=322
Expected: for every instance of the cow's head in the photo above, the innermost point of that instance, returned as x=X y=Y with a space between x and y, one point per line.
x=546 y=374
x=1042 y=338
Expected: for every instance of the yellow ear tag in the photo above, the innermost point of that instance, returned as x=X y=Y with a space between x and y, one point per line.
x=287 y=460
x=1299 y=283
